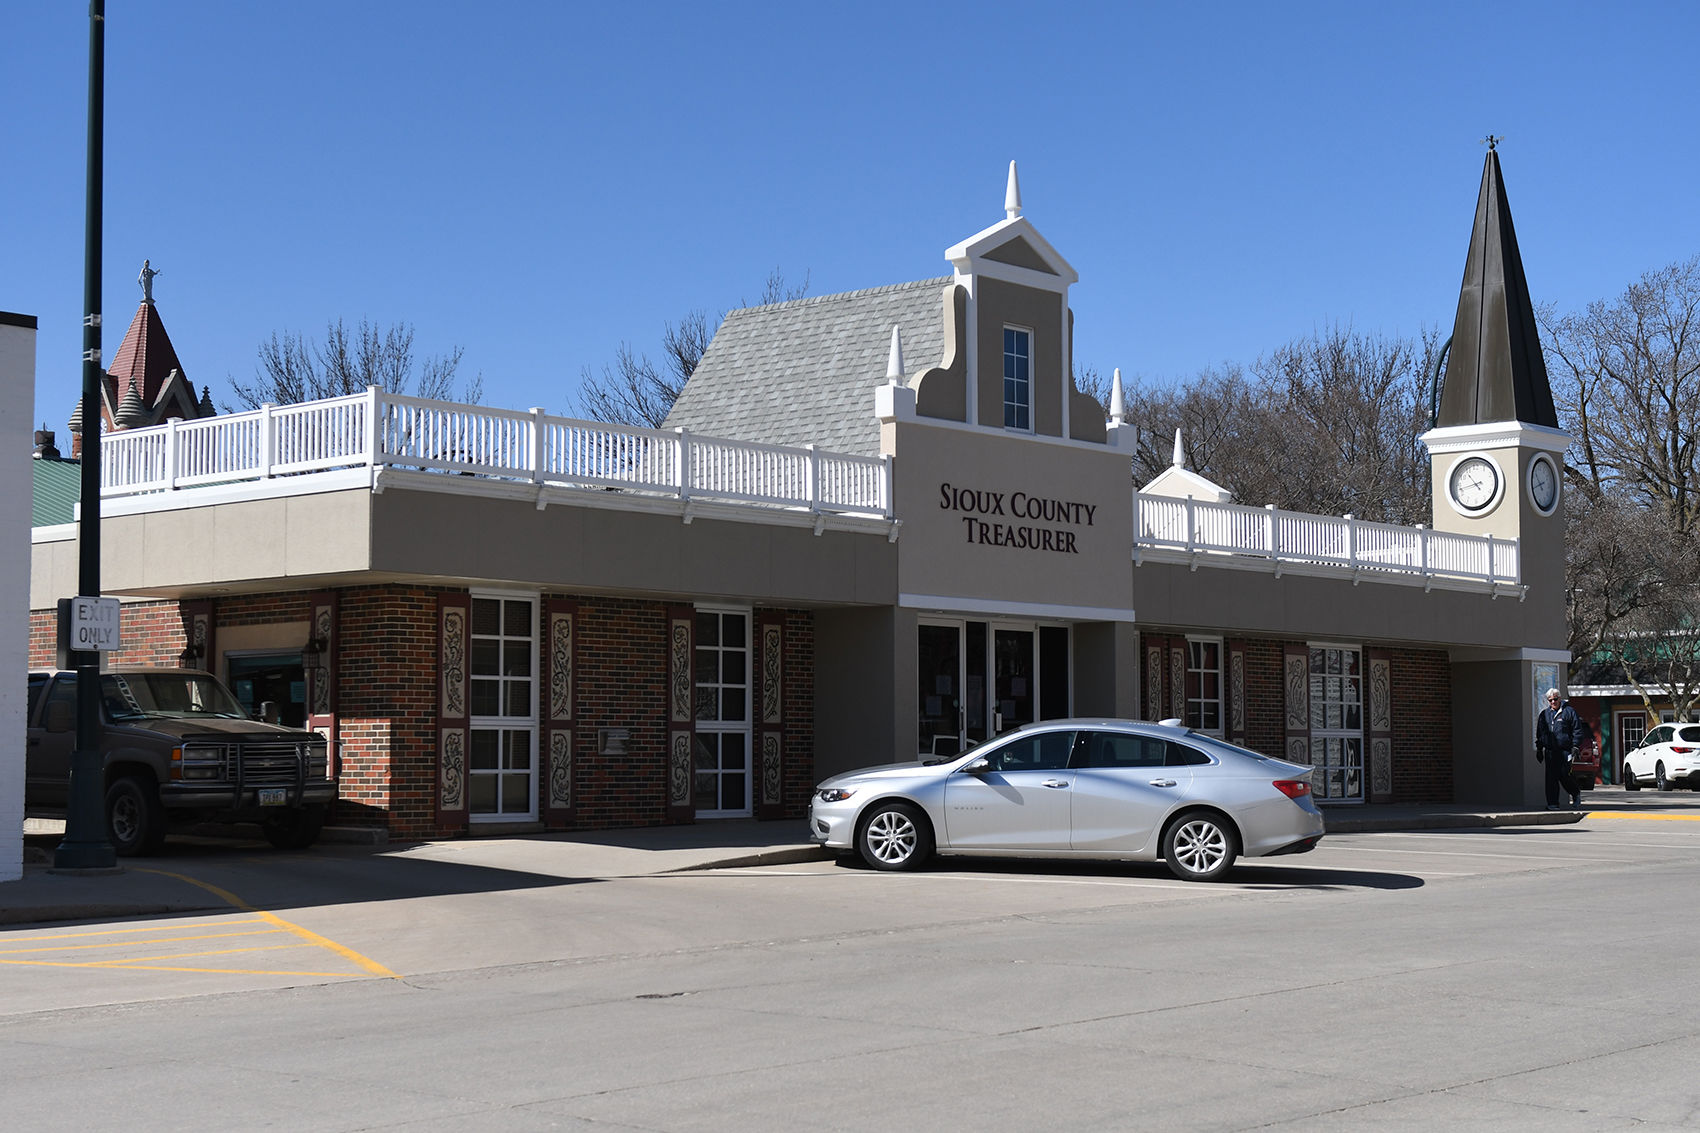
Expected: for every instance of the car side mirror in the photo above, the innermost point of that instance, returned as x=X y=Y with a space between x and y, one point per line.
x=59 y=716
x=976 y=766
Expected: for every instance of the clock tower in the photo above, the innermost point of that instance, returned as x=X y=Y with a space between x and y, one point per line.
x=1497 y=457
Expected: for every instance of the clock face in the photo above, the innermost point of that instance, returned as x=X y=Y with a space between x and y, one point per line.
x=1543 y=483
x=1475 y=482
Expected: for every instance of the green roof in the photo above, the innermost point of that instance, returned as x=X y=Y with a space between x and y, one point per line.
x=58 y=487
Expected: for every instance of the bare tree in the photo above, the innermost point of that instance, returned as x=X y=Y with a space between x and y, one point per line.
x=636 y=391
x=1626 y=377
x=294 y=369
x=1326 y=424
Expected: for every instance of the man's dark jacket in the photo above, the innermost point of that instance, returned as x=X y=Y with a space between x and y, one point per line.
x=1556 y=732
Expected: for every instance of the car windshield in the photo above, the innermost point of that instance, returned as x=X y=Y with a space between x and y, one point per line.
x=136 y=696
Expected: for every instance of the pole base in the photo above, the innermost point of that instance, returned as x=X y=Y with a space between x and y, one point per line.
x=85 y=856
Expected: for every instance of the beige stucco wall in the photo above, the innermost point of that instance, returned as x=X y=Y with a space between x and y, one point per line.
x=998 y=304
x=1318 y=608
x=592 y=549
x=937 y=556
x=286 y=541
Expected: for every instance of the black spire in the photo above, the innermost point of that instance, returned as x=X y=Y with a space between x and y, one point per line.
x=1495 y=371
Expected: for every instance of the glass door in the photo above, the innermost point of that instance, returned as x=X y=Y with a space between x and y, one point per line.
x=940 y=670
x=723 y=783
x=1014 y=688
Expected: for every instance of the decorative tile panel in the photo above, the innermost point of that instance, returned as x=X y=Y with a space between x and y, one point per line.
x=560 y=644
x=1154 y=681
x=454 y=675
x=1381 y=766
x=1380 y=695
x=1236 y=692
x=560 y=769
x=451 y=784
x=1177 y=682
x=772 y=666
x=1296 y=677
x=679 y=769
x=770 y=765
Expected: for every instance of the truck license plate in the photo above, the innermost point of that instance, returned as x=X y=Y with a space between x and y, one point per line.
x=274 y=796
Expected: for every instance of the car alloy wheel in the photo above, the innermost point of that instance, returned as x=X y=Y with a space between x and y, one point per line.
x=1629 y=780
x=895 y=836
x=1199 y=847
x=1659 y=779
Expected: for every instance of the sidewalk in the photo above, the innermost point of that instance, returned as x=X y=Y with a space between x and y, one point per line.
x=144 y=887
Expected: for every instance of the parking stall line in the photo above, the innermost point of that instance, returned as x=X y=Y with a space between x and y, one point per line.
x=141 y=948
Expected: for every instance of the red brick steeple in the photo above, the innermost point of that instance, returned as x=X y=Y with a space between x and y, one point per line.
x=145 y=384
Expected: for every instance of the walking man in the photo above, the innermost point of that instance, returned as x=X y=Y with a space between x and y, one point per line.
x=1556 y=733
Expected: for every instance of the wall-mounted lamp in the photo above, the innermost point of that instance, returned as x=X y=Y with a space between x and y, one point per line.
x=313 y=653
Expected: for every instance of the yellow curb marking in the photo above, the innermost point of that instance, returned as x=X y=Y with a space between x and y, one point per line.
x=261 y=917
x=1643 y=817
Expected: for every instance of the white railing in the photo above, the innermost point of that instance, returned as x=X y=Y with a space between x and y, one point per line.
x=1203 y=528
x=385 y=430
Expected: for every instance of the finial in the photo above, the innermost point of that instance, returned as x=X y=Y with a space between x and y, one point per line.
x=1118 y=402
x=1492 y=141
x=1012 y=195
x=1180 y=453
x=146 y=280
x=894 y=361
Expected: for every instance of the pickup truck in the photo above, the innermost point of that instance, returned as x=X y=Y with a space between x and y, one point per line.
x=177 y=749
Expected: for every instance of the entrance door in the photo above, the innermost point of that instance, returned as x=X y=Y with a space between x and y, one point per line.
x=1014 y=687
x=1631 y=729
x=722 y=784
x=276 y=679
x=940 y=667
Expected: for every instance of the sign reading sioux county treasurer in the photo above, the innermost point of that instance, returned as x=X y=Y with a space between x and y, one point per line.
x=93 y=624
x=1018 y=519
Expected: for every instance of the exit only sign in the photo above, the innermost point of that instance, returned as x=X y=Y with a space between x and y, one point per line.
x=92 y=623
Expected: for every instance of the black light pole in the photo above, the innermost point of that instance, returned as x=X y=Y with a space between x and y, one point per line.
x=86 y=845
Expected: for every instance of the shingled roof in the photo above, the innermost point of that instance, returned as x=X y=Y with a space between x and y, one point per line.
x=1495 y=371
x=805 y=371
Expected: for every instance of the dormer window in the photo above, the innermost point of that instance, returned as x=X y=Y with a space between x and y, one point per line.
x=1017 y=379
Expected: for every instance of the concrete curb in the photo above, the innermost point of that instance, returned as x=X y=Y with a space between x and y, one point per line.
x=1445 y=820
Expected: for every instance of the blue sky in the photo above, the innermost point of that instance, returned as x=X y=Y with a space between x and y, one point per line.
x=538 y=182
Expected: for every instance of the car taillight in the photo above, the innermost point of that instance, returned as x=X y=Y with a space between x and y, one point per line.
x=1293 y=788
x=1680 y=750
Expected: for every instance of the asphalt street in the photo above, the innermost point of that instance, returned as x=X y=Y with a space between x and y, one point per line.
x=1523 y=977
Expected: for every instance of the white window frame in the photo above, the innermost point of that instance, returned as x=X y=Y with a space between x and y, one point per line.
x=746 y=726
x=1221 y=678
x=1319 y=736
x=1004 y=379
x=503 y=724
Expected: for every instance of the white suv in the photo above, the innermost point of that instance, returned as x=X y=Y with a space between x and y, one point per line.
x=1669 y=756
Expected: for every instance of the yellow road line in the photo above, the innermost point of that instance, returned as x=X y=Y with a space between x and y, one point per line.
x=140 y=967
x=308 y=935
x=1643 y=817
x=125 y=943
x=133 y=931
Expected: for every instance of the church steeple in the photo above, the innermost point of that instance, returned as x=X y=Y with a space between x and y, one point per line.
x=1495 y=372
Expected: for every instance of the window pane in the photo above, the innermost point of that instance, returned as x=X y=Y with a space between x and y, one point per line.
x=516 y=618
x=732 y=791
x=732 y=667
x=518 y=745
x=705 y=753
x=516 y=659
x=708 y=667
x=486 y=698
x=486 y=616
x=732 y=630
x=516 y=794
x=484 y=750
x=485 y=657
x=707 y=795
x=732 y=752
x=708 y=703
x=708 y=629
x=518 y=699
x=481 y=791
x=732 y=704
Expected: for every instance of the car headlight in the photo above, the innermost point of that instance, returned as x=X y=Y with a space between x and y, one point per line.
x=833 y=795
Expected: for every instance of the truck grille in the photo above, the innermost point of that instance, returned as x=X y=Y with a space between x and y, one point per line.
x=269 y=763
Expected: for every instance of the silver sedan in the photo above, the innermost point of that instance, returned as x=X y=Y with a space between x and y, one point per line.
x=1101 y=789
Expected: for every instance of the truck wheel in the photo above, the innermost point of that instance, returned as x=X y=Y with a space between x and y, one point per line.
x=134 y=819
x=295 y=829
